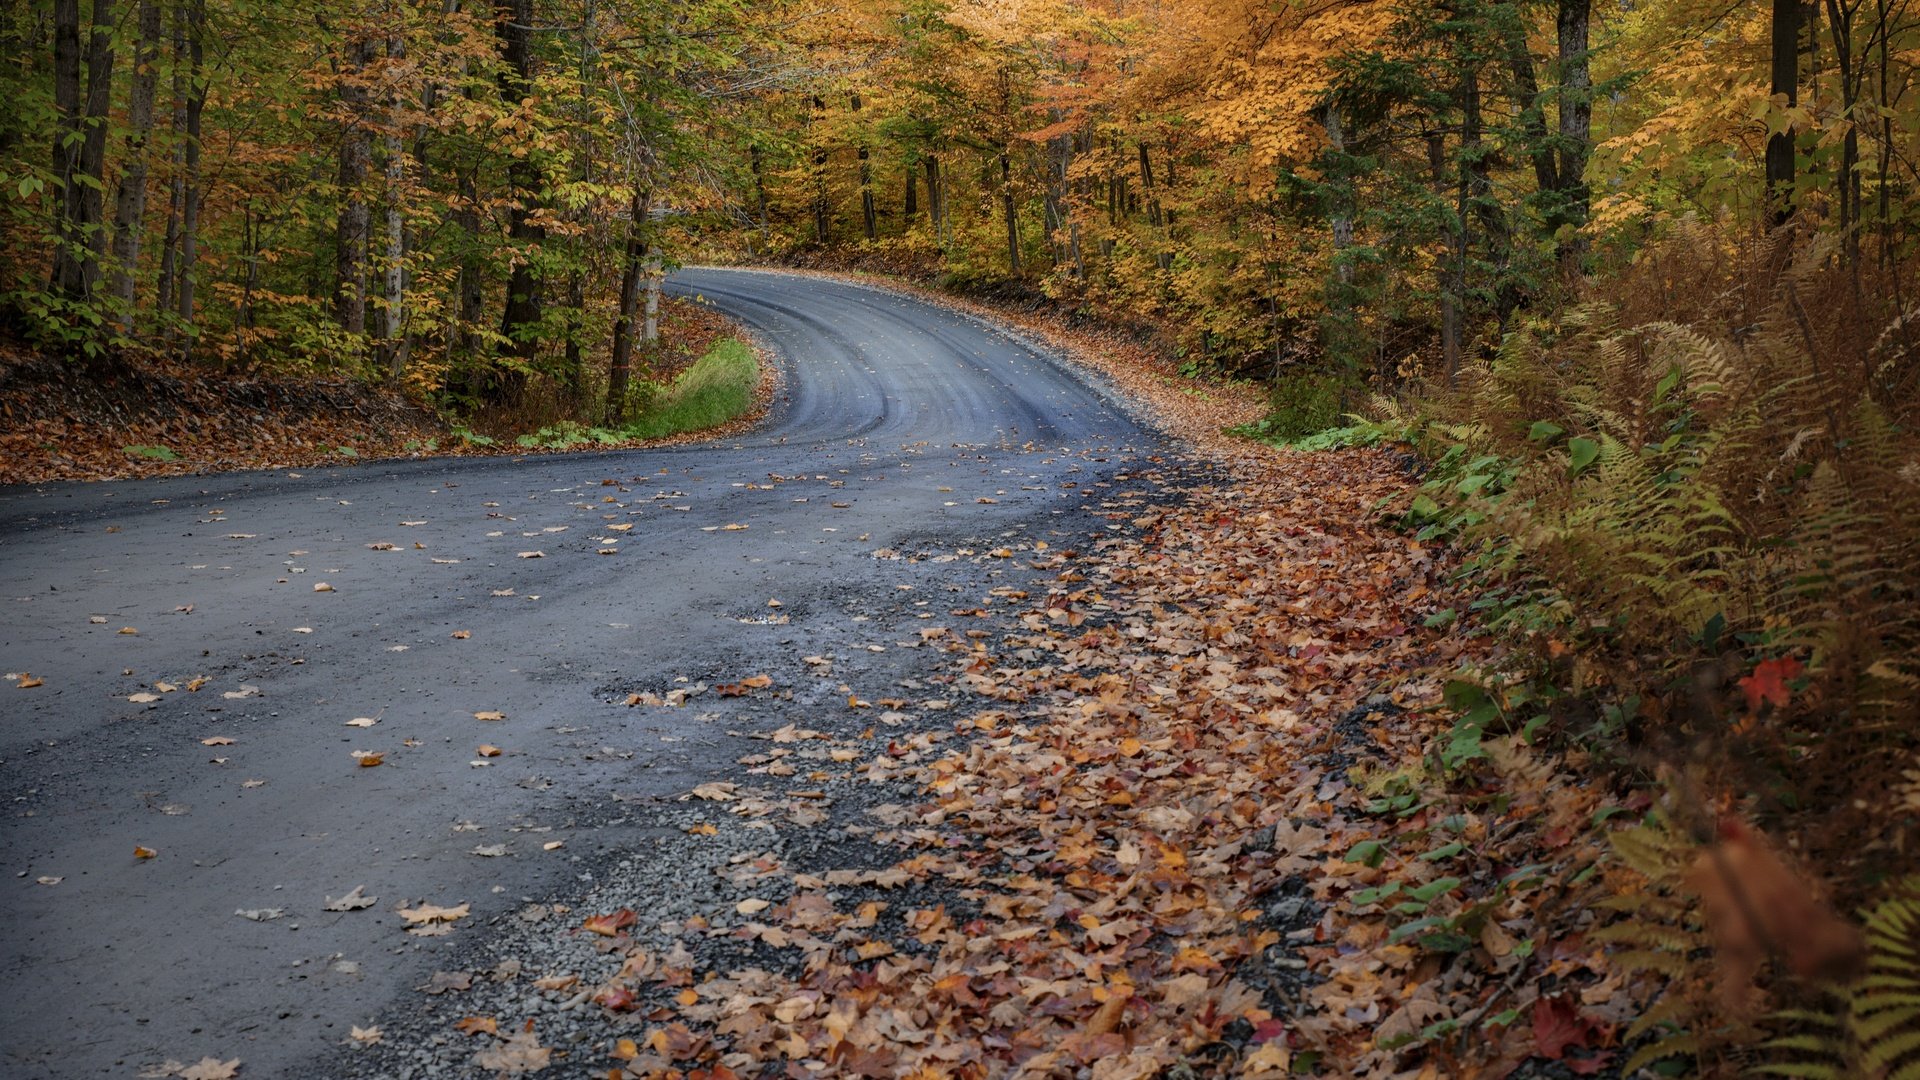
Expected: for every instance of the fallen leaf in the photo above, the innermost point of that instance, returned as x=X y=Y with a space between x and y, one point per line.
x=126 y=630
x=322 y=586
x=752 y=906
x=208 y=1068
x=610 y=925
x=49 y=880
x=703 y=829
x=488 y=750
x=553 y=845
x=365 y=1036
x=533 y=555
x=521 y=1053
x=217 y=740
x=144 y=853
x=368 y=758
x=460 y=635
x=353 y=901
x=138 y=699
x=261 y=914
x=442 y=981
x=363 y=721
x=429 y=913
x=490 y=715
x=478 y=1025
x=735 y=527
x=253 y=783
x=490 y=850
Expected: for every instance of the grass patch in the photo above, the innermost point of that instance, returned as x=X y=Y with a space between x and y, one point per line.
x=717 y=388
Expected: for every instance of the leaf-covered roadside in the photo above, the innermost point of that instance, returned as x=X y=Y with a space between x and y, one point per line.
x=159 y=416
x=1189 y=823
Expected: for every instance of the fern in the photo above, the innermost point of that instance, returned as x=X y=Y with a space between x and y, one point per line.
x=1873 y=1029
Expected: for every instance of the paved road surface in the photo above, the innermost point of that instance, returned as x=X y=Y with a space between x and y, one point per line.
x=898 y=420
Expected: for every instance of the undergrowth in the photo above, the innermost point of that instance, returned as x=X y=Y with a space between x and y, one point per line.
x=717 y=388
x=1691 y=507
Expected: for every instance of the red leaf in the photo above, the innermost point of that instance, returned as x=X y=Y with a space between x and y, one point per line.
x=1558 y=1025
x=612 y=924
x=1769 y=682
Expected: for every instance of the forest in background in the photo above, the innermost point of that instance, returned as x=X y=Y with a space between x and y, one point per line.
x=1633 y=279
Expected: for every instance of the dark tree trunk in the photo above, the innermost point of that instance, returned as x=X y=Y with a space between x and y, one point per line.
x=1576 y=131
x=1785 y=80
x=177 y=167
x=519 y=323
x=130 y=207
x=936 y=201
x=1007 y=207
x=191 y=194
x=1452 y=269
x=869 y=217
x=355 y=221
x=633 y=269
x=910 y=207
x=80 y=145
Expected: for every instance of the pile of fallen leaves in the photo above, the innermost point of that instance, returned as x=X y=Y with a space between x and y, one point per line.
x=1195 y=827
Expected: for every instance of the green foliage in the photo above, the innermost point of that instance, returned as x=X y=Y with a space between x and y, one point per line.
x=153 y=453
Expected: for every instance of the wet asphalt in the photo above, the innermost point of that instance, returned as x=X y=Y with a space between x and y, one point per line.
x=907 y=440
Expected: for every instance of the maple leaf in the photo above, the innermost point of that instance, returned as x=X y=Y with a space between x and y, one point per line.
x=520 y=1053
x=209 y=1068
x=610 y=924
x=1558 y=1026
x=1768 y=683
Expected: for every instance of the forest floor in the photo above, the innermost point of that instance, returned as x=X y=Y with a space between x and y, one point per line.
x=160 y=416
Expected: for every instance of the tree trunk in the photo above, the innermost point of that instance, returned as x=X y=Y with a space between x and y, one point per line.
x=469 y=298
x=759 y=192
x=394 y=326
x=177 y=168
x=80 y=145
x=191 y=193
x=619 y=371
x=1785 y=81
x=910 y=207
x=130 y=208
x=355 y=221
x=1576 y=132
x=1452 y=269
x=1007 y=208
x=936 y=201
x=520 y=320
x=868 y=215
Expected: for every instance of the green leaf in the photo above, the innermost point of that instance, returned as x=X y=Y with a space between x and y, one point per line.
x=1542 y=431
x=1435 y=888
x=1367 y=852
x=1584 y=451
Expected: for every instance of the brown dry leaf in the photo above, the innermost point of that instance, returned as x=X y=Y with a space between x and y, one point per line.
x=532 y=555
x=28 y=682
x=703 y=829
x=478 y=1025
x=460 y=635
x=553 y=845
x=367 y=759
x=365 y=1036
x=354 y=900
x=520 y=1053
x=752 y=906
x=209 y=1068
x=216 y=740
x=429 y=913
x=489 y=715
x=141 y=698
x=323 y=586
x=487 y=750
x=363 y=721
x=144 y=853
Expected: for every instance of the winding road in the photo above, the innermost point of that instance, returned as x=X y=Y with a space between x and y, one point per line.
x=204 y=643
